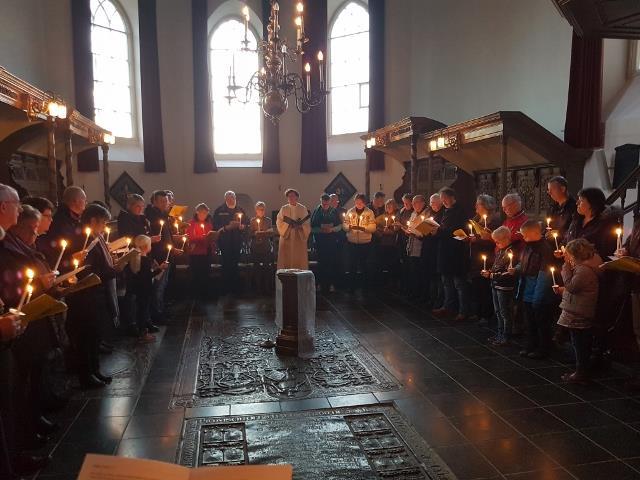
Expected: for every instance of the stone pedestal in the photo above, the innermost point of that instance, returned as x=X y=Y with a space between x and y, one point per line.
x=295 y=312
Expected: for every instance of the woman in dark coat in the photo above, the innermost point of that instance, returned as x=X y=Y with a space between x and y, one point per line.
x=453 y=258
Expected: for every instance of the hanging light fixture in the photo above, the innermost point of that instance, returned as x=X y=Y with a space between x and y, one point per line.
x=274 y=83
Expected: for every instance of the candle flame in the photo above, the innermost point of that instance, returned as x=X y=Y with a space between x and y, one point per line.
x=298 y=21
x=510 y=255
x=618 y=231
x=76 y=263
x=128 y=241
x=484 y=257
x=320 y=56
x=29 y=289
x=169 y=247
x=553 y=269
x=307 y=67
x=30 y=274
x=184 y=238
x=161 y=222
x=555 y=235
x=180 y=218
x=245 y=11
x=87 y=231
x=107 y=229
x=300 y=7
x=63 y=243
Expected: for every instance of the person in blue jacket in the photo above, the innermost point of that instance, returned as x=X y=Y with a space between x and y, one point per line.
x=534 y=289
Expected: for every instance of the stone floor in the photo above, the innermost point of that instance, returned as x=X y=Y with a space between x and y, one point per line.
x=486 y=412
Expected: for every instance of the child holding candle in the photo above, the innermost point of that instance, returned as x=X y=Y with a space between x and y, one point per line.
x=140 y=277
x=580 y=274
x=261 y=250
x=201 y=246
x=503 y=286
x=534 y=289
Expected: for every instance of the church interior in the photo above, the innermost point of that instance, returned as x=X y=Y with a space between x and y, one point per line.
x=358 y=239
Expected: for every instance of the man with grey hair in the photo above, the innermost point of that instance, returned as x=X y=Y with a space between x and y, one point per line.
x=9 y=206
x=231 y=220
x=513 y=209
x=66 y=226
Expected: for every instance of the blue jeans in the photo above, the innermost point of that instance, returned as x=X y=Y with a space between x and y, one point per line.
x=157 y=300
x=456 y=293
x=581 y=340
x=503 y=308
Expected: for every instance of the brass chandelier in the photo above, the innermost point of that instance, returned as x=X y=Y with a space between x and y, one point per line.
x=274 y=82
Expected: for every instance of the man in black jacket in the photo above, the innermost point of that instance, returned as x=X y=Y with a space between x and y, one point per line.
x=232 y=220
x=453 y=258
x=157 y=213
x=325 y=226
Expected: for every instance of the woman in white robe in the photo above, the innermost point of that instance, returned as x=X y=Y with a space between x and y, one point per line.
x=294 y=226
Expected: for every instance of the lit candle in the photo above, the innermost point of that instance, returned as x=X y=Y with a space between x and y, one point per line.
x=161 y=226
x=484 y=261
x=240 y=217
x=87 y=232
x=128 y=242
x=619 y=242
x=298 y=22
x=470 y=230
x=29 y=293
x=180 y=219
x=422 y=218
x=307 y=75
x=245 y=14
x=169 y=247
x=76 y=264
x=184 y=241
x=202 y=227
x=30 y=274
x=393 y=219
x=63 y=245
x=258 y=222
x=300 y=10
x=548 y=223
x=510 y=255
x=555 y=237
x=107 y=230
x=484 y=217
x=321 y=67
x=408 y=223
x=386 y=221
x=177 y=225
x=553 y=275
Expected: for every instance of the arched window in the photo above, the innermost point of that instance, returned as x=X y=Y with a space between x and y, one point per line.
x=349 y=70
x=112 y=86
x=236 y=125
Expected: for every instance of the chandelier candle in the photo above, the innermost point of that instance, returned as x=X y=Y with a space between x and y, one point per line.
x=307 y=75
x=321 y=68
x=245 y=16
x=63 y=246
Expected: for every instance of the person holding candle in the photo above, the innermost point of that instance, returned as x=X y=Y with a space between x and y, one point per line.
x=261 y=250
x=232 y=221
x=430 y=255
x=157 y=213
x=294 y=226
x=401 y=219
x=377 y=204
x=46 y=209
x=387 y=251
x=513 y=209
x=341 y=237
x=140 y=274
x=418 y=286
x=580 y=275
x=375 y=261
x=66 y=226
x=359 y=224
x=534 y=289
x=481 y=244
x=503 y=285
x=563 y=207
x=453 y=258
x=201 y=238
x=325 y=226
x=92 y=310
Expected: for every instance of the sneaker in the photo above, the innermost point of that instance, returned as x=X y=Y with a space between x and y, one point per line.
x=575 y=377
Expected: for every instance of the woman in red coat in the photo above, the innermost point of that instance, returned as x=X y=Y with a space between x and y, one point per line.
x=201 y=238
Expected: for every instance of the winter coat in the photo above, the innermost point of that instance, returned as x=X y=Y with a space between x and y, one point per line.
x=364 y=219
x=535 y=278
x=562 y=216
x=131 y=226
x=599 y=231
x=500 y=279
x=154 y=216
x=65 y=225
x=453 y=255
x=580 y=296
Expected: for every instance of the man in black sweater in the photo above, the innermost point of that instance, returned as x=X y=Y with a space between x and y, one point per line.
x=232 y=220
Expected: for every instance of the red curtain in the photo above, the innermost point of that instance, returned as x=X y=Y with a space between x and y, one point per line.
x=270 y=130
x=314 y=123
x=583 y=126
x=150 y=88
x=204 y=161
x=376 y=76
x=83 y=75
